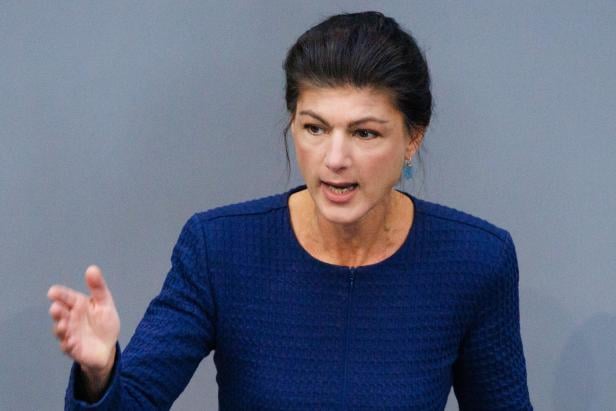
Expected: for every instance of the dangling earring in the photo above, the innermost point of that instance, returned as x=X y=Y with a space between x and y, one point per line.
x=408 y=169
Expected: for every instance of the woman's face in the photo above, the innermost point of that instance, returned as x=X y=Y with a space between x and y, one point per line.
x=350 y=145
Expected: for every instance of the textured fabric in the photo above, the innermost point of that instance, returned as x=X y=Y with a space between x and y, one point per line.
x=290 y=332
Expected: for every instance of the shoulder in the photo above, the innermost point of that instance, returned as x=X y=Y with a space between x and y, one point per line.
x=448 y=217
x=477 y=249
x=245 y=209
x=464 y=236
x=250 y=231
x=247 y=218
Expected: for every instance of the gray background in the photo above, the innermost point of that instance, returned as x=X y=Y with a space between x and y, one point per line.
x=121 y=119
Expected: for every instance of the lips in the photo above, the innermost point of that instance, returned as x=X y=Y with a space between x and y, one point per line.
x=341 y=186
x=339 y=192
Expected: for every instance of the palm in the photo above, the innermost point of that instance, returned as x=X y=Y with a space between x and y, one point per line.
x=87 y=326
x=95 y=328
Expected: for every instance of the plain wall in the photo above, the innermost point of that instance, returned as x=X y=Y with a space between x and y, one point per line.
x=118 y=120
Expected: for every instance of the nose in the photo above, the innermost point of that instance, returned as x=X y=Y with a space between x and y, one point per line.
x=337 y=156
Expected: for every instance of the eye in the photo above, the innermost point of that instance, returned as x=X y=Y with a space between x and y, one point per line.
x=365 y=134
x=313 y=129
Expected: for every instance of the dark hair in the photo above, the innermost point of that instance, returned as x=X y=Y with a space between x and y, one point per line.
x=364 y=49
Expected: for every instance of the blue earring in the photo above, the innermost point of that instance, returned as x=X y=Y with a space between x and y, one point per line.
x=408 y=169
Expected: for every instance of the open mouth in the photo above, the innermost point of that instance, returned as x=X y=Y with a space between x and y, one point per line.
x=340 y=188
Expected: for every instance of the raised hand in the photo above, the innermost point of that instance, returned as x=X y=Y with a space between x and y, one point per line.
x=87 y=327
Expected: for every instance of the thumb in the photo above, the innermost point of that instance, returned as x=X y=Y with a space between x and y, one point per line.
x=96 y=283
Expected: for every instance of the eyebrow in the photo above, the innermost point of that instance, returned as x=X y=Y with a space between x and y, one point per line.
x=352 y=124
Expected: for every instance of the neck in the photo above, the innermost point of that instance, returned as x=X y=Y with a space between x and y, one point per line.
x=373 y=238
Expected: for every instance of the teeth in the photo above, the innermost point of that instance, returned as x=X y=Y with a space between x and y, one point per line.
x=341 y=190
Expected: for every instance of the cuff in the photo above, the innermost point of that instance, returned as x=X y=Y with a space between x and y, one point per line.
x=110 y=399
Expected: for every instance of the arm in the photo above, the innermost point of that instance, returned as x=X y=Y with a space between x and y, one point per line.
x=175 y=334
x=490 y=373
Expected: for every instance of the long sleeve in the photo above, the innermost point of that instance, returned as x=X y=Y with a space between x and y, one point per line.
x=490 y=373
x=293 y=332
x=175 y=334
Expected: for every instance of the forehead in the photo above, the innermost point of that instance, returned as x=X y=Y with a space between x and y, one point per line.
x=347 y=102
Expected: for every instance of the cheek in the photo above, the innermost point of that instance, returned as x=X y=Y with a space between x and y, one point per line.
x=305 y=158
x=383 y=168
x=300 y=153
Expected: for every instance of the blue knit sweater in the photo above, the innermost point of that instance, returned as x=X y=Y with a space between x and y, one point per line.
x=290 y=332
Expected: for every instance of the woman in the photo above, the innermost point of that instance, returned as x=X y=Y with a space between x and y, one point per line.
x=341 y=294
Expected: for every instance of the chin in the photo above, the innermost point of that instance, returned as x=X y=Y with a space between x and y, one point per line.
x=340 y=215
x=341 y=218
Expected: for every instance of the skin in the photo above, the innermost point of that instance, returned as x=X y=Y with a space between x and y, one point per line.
x=87 y=328
x=341 y=134
x=352 y=135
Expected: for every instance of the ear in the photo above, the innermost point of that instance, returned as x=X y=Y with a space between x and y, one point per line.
x=415 y=139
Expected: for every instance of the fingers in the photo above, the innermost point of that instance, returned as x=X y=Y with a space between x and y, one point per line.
x=94 y=281
x=58 y=311
x=60 y=315
x=65 y=295
x=96 y=284
x=70 y=310
x=67 y=342
x=60 y=327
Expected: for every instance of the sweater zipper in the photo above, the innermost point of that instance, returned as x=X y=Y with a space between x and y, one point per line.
x=347 y=336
